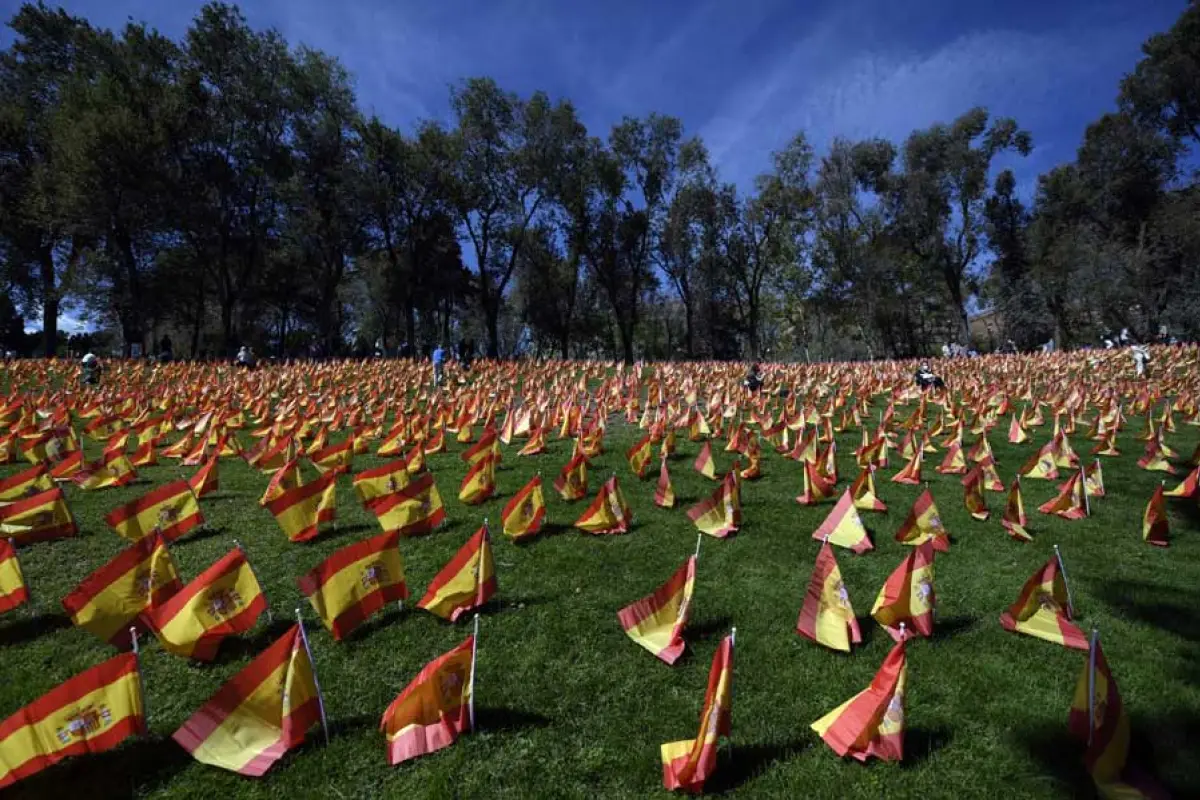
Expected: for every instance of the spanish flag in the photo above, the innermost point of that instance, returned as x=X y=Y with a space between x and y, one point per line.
x=37 y=518
x=1154 y=519
x=336 y=457
x=260 y=713
x=486 y=446
x=372 y=484
x=571 y=483
x=871 y=724
x=112 y=470
x=466 y=582
x=816 y=486
x=1186 y=488
x=664 y=493
x=608 y=513
x=687 y=764
x=720 y=514
x=955 y=462
x=1014 y=520
x=907 y=595
x=414 y=462
x=355 y=582
x=434 y=709
x=68 y=468
x=223 y=600
x=844 y=527
x=639 y=456
x=1098 y=718
x=1071 y=502
x=1043 y=608
x=826 y=616
x=536 y=443
x=417 y=508
x=973 y=498
x=205 y=480
x=116 y=596
x=1016 y=431
x=924 y=524
x=1041 y=464
x=480 y=481
x=13 y=593
x=656 y=621
x=704 y=463
x=863 y=491
x=90 y=713
x=170 y=511
x=910 y=473
x=300 y=512
x=523 y=514
x=286 y=477
x=25 y=484
x=144 y=456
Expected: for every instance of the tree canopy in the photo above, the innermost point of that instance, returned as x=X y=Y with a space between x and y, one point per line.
x=227 y=189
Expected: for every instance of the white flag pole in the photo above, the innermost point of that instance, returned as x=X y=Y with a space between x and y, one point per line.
x=1063 y=569
x=699 y=539
x=471 y=684
x=312 y=665
x=1087 y=504
x=1092 y=684
x=137 y=659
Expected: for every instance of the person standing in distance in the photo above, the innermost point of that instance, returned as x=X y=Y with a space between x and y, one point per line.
x=439 y=359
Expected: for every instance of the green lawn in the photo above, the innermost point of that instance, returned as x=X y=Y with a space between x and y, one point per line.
x=568 y=706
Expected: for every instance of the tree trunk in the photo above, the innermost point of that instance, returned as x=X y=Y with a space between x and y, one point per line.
x=491 y=313
x=49 y=304
x=625 y=329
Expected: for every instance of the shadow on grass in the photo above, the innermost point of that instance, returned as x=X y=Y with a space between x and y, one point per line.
x=708 y=627
x=342 y=531
x=140 y=766
x=25 y=629
x=203 y=534
x=921 y=743
x=1060 y=755
x=499 y=718
x=548 y=530
x=236 y=647
x=741 y=762
x=1169 y=608
x=381 y=620
x=947 y=627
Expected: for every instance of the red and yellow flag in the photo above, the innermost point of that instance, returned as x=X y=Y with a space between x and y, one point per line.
x=826 y=616
x=863 y=491
x=907 y=595
x=571 y=483
x=1098 y=718
x=687 y=764
x=300 y=512
x=664 y=493
x=480 y=481
x=910 y=473
x=387 y=479
x=466 y=582
x=871 y=724
x=973 y=499
x=434 y=709
x=1041 y=464
x=1154 y=519
x=286 y=477
x=206 y=480
x=844 y=527
x=1071 y=502
x=25 y=484
x=924 y=524
x=608 y=513
x=656 y=621
x=639 y=456
x=720 y=514
x=704 y=463
x=485 y=447
x=90 y=713
x=1186 y=488
x=415 y=509
x=223 y=600
x=170 y=511
x=112 y=470
x=334 y=458
x=1043 y=609
x=13 y=593
x=260 y=713
x=1014 y=520
x=355 y=582
x=523 y=515
x=117 y=596
x=37 y=518
x=816 y=486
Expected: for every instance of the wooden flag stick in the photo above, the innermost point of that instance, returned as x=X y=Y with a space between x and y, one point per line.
x=474 y=648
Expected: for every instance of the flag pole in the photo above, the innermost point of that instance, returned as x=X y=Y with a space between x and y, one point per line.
x=1092 y=684
x=1063 y=569
x=471 y=684
x=1087 y=504
x=317 y=683
x=699 y=539
x=137 y=660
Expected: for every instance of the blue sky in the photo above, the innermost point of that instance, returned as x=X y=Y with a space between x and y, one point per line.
x=745 y=74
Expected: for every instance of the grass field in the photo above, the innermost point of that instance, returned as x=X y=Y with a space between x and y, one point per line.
x=568 y=706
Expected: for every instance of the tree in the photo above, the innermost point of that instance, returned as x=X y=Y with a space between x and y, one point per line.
x=937 y=201
x=44 y=247
x=1163 y=90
